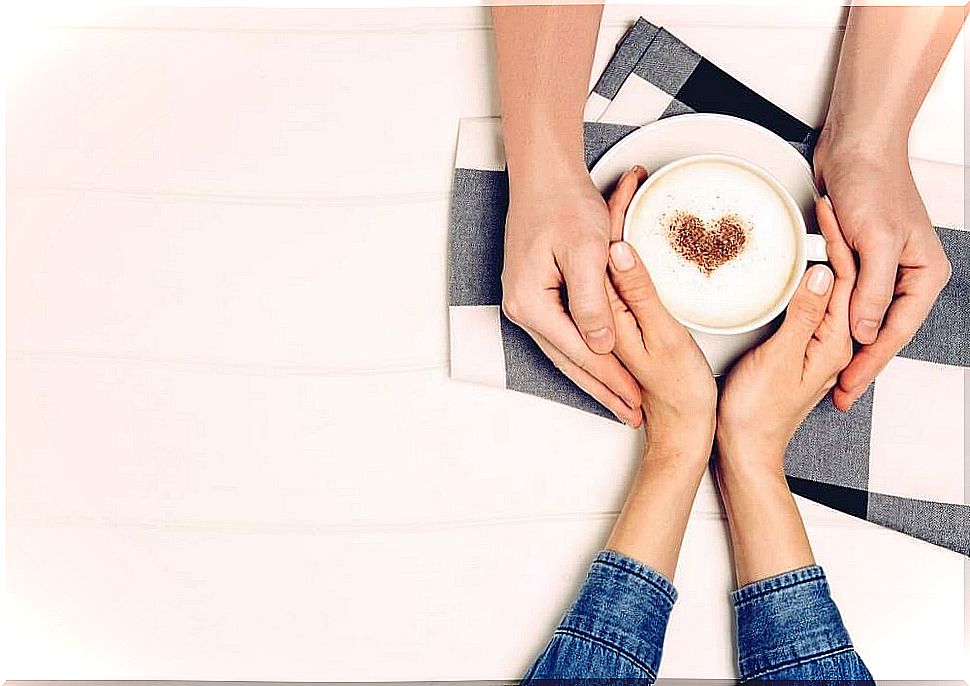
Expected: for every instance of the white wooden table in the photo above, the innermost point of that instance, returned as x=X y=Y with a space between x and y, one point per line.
x=234 y=451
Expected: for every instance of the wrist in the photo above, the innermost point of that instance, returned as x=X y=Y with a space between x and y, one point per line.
x=764 y=468
x=545 y=174
x=849 y=140
x=687 y=454
x=541 y=158
x=752 y=461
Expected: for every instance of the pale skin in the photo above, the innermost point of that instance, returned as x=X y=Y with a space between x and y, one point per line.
x=764 y=399
x=558 y=227
x=678 y=398
x=889 y=59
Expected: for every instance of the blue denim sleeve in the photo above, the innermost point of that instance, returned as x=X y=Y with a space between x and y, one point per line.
x=789 y=628
x=614 y=629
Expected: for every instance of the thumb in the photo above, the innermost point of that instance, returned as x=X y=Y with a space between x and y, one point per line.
x=807 y=308
x=589 y=304
x=621 y=196
x=634 y=287
x=873 y=292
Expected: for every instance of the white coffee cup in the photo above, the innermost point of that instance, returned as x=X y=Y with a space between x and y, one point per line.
x=808 y=247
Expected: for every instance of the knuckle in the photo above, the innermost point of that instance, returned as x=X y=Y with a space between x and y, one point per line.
x=637 y=289
x=511 y=296
x=845 y=354
x=838 y=358
x=808 y=312
x=874 y=298
x=589 y=316
x=879 y=237
x=595 y=247
x=583 y=300
x=586 y=250
x=827 y=330
x=514 y=308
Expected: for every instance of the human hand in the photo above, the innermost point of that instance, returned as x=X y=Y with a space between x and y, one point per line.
x=558 y=232
x=774 y=386
x=678 y=390
x=678 y=399
x=902 y=266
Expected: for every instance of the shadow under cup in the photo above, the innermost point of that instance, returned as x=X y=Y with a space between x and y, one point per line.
x=807 y=247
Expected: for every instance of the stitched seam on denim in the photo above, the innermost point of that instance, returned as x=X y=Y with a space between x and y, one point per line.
x=795 y=577
x=652 y=582
x=768 y=591
x=809 y=573
x=607 y=644
x=799 y=661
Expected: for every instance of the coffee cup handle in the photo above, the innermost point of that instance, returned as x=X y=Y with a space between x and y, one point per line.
x=815 y=248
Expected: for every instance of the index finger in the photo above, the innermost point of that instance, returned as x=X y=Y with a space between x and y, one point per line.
x=635 y=288
x=586 y=381
x=840 y=257
x=830 y=349
x=559 y=332
x=903 y=319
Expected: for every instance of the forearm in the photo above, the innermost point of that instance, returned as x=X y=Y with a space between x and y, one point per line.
x=651 y=525
x=788 y=626
x=544 y=58
x=890 y=57
x=767 y=532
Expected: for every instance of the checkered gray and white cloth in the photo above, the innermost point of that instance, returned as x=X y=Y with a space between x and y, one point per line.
x=896 y=459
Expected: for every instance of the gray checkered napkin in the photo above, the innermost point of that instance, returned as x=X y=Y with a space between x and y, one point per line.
x=896 y=459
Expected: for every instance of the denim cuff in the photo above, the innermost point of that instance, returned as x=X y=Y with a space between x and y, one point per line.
x=624 y=606
x=787 y=620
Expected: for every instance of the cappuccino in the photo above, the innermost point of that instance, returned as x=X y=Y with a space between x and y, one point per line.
x=719 y=239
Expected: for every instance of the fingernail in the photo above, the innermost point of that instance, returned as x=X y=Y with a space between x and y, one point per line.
x=600 y=341
x=635 y=168
x=819 y=280
x=622 y=255
x=866 y=330
x=828 y=200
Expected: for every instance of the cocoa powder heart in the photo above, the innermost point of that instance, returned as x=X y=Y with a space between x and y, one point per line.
x=707 y=245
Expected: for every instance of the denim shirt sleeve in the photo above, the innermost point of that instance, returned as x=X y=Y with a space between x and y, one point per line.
x=614 y=629
x=789 y=628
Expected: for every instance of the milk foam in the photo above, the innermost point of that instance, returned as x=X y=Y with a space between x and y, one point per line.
x=741 y=290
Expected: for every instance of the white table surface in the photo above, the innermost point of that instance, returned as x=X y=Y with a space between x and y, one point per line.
x=234 y=450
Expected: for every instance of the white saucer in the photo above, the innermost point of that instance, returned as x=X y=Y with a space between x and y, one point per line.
x=656 y=144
